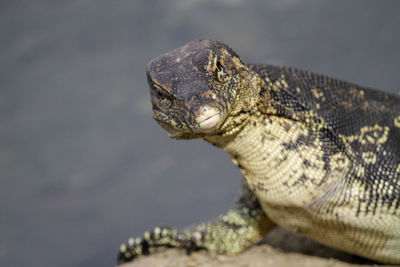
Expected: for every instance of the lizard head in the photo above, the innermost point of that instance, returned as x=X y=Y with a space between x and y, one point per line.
x=193 y=87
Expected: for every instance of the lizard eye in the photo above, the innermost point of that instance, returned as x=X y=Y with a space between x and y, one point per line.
x=222 y=76
x=163 y=100
x=161 y=96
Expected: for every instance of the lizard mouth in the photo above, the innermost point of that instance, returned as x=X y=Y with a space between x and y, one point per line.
x=208 y=119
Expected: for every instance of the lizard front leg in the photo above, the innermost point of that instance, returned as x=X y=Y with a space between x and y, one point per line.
x=241 y=227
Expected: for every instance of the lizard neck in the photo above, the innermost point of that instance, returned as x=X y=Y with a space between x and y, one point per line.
x=251 y=144
x=282 y=160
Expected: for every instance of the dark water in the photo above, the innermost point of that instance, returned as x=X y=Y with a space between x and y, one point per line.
x=82 y=164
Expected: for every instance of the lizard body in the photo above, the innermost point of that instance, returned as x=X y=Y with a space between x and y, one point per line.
x=319 y=156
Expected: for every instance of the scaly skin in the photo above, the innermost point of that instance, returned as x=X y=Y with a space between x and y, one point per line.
x=319 y=156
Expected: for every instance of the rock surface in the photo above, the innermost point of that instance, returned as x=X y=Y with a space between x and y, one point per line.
x=263 y=255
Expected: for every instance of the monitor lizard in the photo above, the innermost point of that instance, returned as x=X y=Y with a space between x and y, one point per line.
x=319 y=156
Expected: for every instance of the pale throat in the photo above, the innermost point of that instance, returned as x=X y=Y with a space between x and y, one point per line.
x=247 y=146
x=260 y=152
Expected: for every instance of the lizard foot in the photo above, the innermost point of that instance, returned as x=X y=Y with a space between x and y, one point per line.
x=152 y=241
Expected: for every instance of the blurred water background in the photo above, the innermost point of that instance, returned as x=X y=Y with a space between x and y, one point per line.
x=82 y=164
